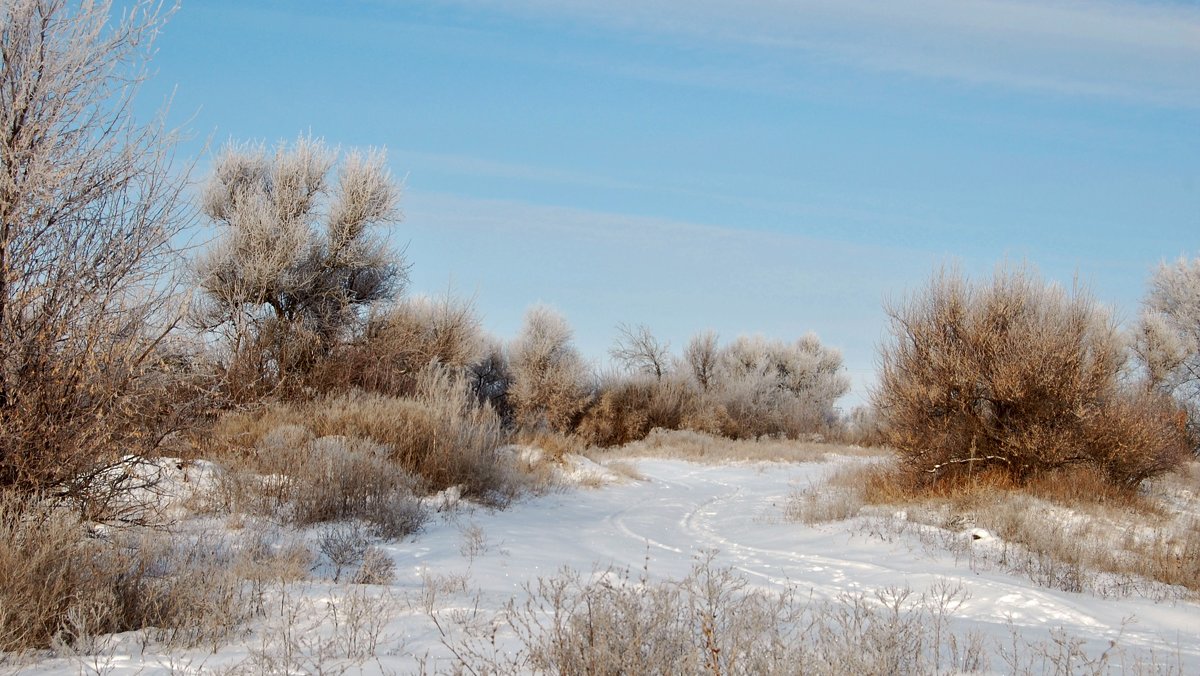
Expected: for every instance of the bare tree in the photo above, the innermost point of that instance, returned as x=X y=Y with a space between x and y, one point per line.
x=700 y=356
x=299 y=257
x=89 y=202
x=491 y=378
x=550 y=385
x=638 y=349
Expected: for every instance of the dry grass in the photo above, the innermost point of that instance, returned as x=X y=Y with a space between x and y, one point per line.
x=306 y=481
x=707 y=448
x=625 y=469
x=838 y=497
x=1074 y=531
x=399 y=342
x=442 y=437
x=627 y=409
x=62 y=587
x=554 y=445
x=714 y=622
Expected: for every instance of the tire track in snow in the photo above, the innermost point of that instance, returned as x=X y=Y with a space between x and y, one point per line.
x=705 y=523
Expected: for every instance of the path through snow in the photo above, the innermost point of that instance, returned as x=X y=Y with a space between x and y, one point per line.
x=666 y=522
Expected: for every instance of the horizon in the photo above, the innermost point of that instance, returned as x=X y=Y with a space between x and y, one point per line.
x=751 y=168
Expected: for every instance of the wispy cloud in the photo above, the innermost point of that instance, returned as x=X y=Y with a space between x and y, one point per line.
x=468 y=165
x=1138 y=51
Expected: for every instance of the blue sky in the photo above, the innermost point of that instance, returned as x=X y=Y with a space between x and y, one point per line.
x=763 y=166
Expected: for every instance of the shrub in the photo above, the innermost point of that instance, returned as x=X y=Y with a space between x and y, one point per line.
x=550 y=381
x=60 y=585
x=440 y=435
x=1018 y=376
x=397 y=344
x=89 y=204
x=317 y=480
x=627 y=409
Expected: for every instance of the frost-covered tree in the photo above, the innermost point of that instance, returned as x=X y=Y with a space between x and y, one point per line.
x=1168 y=337
x=700 y=358
x=299 y=255
x=550 y=380
x=785 y=385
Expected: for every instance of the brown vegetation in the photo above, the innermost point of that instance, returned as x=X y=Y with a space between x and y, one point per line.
x=627 y=409
x=1018 y=377
x=398 y=342
x=1070 y=528
x=60 y=587
x=89 y=203
x=550 y=381
x=440 y=436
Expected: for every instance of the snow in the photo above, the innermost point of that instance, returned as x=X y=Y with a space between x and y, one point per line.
x=469 y=561
x=158 y=489
x=570 y=469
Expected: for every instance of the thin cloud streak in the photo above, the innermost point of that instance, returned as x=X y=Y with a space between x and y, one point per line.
x=1133 y=51
x=853 y=208
x=468 y=165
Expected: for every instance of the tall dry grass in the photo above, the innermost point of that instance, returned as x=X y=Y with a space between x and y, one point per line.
x=441 y=436
x=628 y=408
x=62 y=586
x=398 y=342
x=1072 y=529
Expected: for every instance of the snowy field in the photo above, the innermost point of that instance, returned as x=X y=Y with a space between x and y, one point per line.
x=468 y=562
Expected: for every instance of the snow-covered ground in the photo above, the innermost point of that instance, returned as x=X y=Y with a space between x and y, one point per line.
x=468 y=562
